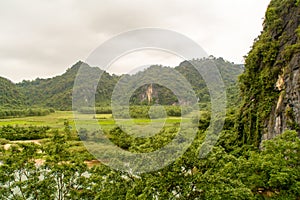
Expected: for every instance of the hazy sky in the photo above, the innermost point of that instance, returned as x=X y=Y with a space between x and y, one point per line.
x=42 y=38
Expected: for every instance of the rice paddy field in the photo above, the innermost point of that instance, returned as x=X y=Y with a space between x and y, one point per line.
x=56 y=120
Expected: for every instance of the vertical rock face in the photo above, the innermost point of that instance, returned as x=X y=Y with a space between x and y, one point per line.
x=286 y=114
x=149 y=94
x=270 y=85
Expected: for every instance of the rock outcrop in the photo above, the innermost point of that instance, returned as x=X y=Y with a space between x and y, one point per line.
x=270 y=85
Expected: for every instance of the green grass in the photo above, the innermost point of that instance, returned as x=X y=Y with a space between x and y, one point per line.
x=56 y=120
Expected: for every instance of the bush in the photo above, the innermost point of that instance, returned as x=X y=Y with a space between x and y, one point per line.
x=3 y=141
x=13 y=113
x=98 y=110
x=23 y=133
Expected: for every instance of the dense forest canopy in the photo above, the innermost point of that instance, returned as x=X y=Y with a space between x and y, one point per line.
x=10 y=94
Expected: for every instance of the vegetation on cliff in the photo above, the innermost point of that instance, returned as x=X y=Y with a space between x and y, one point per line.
x=269 y=60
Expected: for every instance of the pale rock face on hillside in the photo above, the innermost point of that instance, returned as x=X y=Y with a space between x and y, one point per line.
x=286 y=112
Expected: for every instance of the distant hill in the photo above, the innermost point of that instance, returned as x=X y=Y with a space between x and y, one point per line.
x=229 y=73
x=163 y=95
x=56 y=92
x=10 y=95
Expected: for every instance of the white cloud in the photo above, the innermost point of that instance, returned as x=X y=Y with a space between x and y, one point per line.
x=43 y=38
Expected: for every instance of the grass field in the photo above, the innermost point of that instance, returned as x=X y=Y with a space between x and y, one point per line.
x=56 y=120
x=78 y=148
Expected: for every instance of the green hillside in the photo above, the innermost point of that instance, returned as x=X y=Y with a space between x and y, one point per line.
x=229 y=73
x=10 y=95
x=165 y=96
x=56 y=92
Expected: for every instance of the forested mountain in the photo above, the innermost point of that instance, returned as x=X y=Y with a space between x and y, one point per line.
x=229 y=73
x=10 y=95
x=163 y=95
x=270 y=84
x=56 y=92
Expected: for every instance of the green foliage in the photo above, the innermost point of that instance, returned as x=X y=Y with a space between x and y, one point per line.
x=13 y=113
x=275 y=170
x=57 y=92
x=141 y=112
x=59 y=177
x=290 y=50
x=19 y=173
x=97 y=110
x=272 y=173
x=269 y=57
x=228 y=71
x=23 y=133
x=3 y=141
x=10 y=95
x=142 y=145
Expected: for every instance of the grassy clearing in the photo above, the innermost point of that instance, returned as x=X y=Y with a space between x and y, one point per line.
x=54 y=120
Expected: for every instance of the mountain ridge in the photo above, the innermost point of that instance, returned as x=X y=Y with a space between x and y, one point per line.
x=56 y=92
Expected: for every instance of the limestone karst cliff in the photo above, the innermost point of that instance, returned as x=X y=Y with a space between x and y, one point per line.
x=270 y=85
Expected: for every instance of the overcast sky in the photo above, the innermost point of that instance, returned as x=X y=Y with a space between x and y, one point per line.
x=42 y=38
